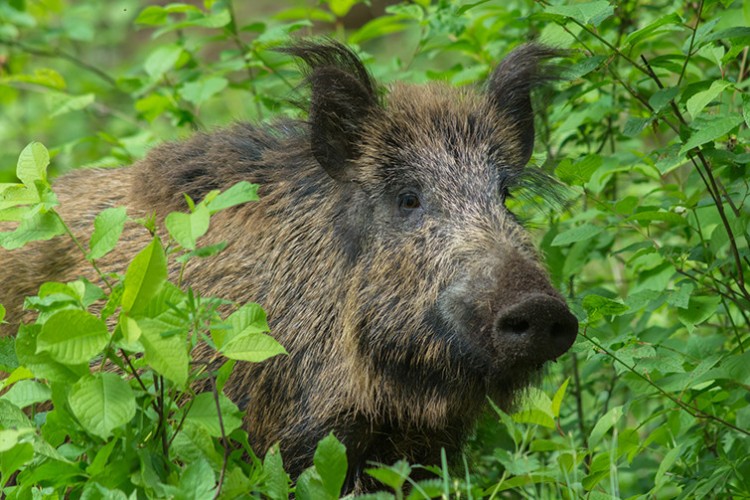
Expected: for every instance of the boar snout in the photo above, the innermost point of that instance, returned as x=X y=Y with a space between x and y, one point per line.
x=538 y=327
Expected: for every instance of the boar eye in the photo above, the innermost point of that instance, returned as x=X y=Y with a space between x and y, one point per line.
x=408 y=202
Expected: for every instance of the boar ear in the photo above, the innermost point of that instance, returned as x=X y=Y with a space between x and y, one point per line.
x=343 y=96
x=510 y=87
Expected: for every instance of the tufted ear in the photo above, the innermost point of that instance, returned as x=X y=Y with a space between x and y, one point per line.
x=510 y=85
x=343 y=97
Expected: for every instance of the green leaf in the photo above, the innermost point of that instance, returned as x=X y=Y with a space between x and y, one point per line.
x=41 y=226
x=558 y=398
x=330 y=462
x=662 y=97
x=45 y=77
x=252 y=347
x=214 y=20
x=13 y=197
x=41 y=363
x=579 y=233
x=340 y=8
x=277 y=480
x=162 y=60
x=605 y=423
x=108 y=227
x=153 y=15
x=102 y=402
x=709 y=129
x=279 y=34
x=626 y=205
x=14 y=458
x=534 y=416
x=95 y=491
x=2 y=313
x=700 y=100
x=657 y=278
x=240 y=193
x=12 y=416
x=249 y=319
x=187 y=228
x=310 y=487
x=166 y=354
x=669 y=459
x=631 y=354
x=203 y=413
x=243 y=337
x=672 y=20
x=99 y=462
x=223 y=373
x=131 y=332
x=582 y=68
x=162 y=306
x=651 y=216
x=200 y=91
x=194 y=442
x=681 y=297
x=60 y=103
x=393 y=476
x=579 y=172
x=597 y=307
x=153 y=106
x=537 y=410
x=27 y=392
x=198 y=481
x=11 y=437
x=381 y=26
x=8 y=359
x=635 y=125
x=203 y=252
x=585 y=13
x=699 y=309
x=144 y=278
x=32 y=165
x=73 y=336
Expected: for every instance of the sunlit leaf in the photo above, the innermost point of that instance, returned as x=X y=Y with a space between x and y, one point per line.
x=144 y=277
x=73 y=336
x=102 y=402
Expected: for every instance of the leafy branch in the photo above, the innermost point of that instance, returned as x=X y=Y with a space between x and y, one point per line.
x=684 y=406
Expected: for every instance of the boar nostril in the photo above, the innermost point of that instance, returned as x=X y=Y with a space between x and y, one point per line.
x=539 y=327
x=515 y=325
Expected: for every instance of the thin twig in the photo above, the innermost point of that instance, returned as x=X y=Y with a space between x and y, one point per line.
x=59 y=54
x=692 y=44
x=163 y=419
x=137 y=377
x=713 y=191
x=223 y=438
x=579 y=410
x=185 y=412
x=244 y=51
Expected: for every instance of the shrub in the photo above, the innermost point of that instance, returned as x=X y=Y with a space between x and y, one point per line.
x=648 y=129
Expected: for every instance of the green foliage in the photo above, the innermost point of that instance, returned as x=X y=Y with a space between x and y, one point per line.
x=648 y=129
x=117 y=386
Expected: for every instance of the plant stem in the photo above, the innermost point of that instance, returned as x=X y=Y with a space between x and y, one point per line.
x=78 y=244
x=223 y=438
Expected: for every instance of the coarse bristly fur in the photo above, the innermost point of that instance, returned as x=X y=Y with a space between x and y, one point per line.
x=402 y=288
